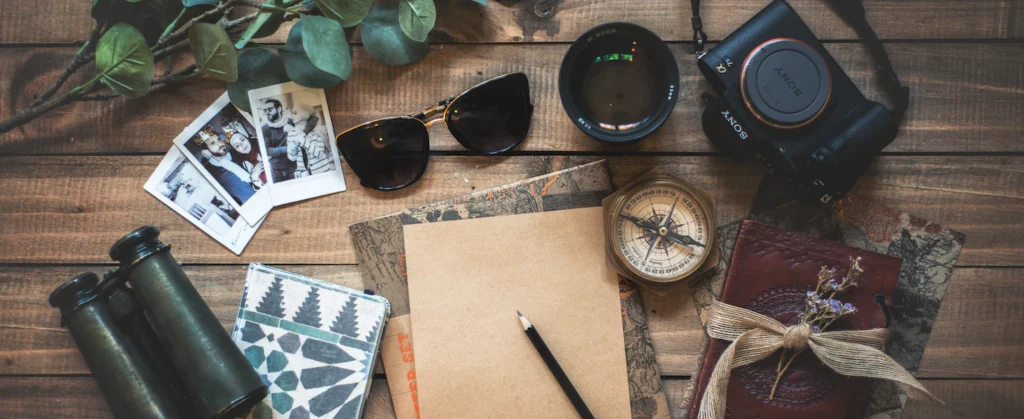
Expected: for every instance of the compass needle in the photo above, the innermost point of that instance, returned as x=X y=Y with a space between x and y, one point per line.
x=657 y=228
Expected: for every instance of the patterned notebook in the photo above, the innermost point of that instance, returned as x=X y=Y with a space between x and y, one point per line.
x=313 y=343
x=929 y=252
x=380 y=247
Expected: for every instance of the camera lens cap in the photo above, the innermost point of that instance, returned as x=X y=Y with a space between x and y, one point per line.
x=618 y=82
x=786 y=83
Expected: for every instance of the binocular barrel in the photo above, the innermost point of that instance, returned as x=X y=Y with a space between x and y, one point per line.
x=163 y=332
x=122 y=372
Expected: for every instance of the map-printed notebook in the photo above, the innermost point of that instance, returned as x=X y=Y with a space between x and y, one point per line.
x=312 y=342
x=380 y=247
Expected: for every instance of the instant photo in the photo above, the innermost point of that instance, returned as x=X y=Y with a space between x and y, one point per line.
x=180 y=185
x=297 y=142
x=223 y=145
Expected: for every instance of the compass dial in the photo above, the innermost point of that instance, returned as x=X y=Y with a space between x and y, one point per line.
x=661 y=231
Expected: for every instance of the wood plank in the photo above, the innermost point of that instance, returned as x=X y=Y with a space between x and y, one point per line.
x=966 y=98
x=71 y=209
x=978 y=334
x=79 y=397
x=564 y=20
x=963 y=398
x=38 y=397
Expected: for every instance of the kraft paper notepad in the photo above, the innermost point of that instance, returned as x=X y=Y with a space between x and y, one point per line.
x=467 y=279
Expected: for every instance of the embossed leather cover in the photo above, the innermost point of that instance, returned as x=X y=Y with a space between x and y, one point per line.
x=770 y=273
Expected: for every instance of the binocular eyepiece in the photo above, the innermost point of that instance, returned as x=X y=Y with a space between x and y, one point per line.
x=153 y=345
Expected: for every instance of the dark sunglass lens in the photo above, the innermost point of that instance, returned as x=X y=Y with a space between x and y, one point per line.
x=493 y=117
x=387 y=154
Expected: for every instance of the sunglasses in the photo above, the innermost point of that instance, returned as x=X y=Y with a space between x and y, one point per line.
x=489 y=118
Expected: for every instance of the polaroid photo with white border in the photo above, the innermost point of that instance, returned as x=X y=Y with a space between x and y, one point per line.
x=297 y=142
x=180 y=185
x=223 y=145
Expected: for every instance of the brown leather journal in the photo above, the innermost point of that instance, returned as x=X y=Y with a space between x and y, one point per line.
x=770 y=273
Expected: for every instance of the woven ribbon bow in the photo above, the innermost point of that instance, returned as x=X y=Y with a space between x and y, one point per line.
x=754 y=337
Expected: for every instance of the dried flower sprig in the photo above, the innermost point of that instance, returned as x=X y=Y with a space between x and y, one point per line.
x=822 y=309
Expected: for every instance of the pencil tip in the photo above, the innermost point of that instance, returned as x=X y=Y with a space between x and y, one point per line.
x=520 y=314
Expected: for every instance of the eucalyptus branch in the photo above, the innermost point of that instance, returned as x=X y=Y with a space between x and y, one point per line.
x=173 y=36
x=264 y=6
x=171 y=42
x=77 y=62
x=167 y=32
x=184 y=73
x=98 y=98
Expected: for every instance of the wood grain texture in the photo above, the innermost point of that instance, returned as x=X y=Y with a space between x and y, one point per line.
x=979 y=332
x=58 y=21
x=78 y=397
x=71 y=209
x=965 y=98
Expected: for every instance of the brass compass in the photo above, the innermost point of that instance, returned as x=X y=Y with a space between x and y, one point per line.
x=660 y=230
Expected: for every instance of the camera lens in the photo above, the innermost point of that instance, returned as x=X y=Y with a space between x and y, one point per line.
x=786 y=83
x=618 y=82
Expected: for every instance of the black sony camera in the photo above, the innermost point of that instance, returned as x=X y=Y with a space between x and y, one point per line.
x=784 y=98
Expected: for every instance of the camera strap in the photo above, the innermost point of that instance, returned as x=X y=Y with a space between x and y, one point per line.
x=852 y=12
x=699 y=37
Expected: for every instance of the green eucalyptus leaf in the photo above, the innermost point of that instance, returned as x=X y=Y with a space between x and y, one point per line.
x=124 y=61
x=215 y=56
x=193 y=3
x=482 y=2
x=347 y=12
x=265 y=24
x=133 y=1
x=299 y=65
x=256 y=68
x=384 y=40
x=325 y=44
x=301 y=71
x=417 y=18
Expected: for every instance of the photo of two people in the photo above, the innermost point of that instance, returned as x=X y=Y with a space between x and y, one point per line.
x=226 y=147
x=295 y=136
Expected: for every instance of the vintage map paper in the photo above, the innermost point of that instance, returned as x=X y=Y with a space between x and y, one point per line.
x=929 y=252
x=381 y=252
x=473 y=359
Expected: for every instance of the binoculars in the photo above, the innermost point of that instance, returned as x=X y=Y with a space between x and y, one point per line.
x=153 y=345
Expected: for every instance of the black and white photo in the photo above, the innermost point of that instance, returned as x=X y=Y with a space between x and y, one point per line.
x=222 y=143
x=296 y=139
x=180 y=185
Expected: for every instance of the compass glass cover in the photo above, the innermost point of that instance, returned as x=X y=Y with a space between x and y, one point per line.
x=662 y=232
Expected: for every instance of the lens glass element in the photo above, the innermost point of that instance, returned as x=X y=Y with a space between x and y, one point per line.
x=386 y=154
x=618 y=82
x=492 y=117
x=617 y=88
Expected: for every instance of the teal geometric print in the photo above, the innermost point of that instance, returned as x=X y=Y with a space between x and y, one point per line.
x=313 y=343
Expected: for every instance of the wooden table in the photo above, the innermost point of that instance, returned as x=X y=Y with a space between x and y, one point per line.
x=71 y=182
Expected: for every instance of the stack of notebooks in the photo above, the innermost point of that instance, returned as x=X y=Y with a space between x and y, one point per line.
x=381 y=248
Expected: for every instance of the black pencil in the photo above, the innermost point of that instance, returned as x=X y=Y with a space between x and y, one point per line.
x=549 y=359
